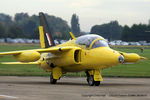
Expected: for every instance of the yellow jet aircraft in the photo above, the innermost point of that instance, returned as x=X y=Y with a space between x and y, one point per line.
x=88 y=53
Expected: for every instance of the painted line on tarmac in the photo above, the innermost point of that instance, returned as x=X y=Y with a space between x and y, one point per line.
x=6 y=96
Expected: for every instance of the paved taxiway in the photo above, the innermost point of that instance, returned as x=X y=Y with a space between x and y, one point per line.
x=38 y=88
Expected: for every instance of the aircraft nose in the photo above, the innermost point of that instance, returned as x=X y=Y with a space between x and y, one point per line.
x=121 y=59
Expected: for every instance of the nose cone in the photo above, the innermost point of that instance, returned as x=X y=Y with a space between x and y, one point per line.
x=105 y=57
x=121 y=59
x=111 y=57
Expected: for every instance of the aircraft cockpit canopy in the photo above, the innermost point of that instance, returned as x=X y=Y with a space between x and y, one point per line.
x=91 y=41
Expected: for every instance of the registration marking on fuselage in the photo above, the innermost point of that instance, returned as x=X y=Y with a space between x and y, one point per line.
x=6 y=96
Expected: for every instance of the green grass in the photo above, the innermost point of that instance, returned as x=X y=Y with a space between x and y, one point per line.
x=140 y=69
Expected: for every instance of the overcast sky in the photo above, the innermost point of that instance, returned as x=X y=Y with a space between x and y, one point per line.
x=90 y=12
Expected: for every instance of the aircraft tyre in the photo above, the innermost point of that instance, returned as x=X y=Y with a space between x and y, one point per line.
x=97 y=83
x=90 y=80
x=52 y=80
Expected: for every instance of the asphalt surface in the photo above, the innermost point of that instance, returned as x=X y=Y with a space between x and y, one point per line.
x=38 y=88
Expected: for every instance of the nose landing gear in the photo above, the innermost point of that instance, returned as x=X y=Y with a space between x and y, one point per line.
x=94 y=77
x=91 y=81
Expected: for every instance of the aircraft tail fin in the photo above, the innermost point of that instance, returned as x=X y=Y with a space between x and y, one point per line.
x=46 y=38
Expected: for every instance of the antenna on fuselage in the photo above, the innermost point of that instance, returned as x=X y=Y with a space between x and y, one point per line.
x=72 y=35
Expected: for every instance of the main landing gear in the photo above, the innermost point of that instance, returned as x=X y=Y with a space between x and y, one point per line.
x=52 y=80
x=55 y=75
x=94 y=77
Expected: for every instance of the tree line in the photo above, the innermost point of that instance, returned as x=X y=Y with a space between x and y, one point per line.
x=137 y=32
x=114 y=31
x=25 y=26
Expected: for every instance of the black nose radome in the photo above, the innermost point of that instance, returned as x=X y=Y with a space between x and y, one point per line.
x=121 y=59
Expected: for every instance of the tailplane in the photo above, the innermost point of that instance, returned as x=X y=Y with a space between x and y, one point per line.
x=46 y=38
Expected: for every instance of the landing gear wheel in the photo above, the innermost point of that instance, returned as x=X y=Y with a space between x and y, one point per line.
x=90 y=80
x=97 y=83
x=52 y=80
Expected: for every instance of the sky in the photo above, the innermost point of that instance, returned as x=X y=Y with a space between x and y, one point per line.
x=90 y=12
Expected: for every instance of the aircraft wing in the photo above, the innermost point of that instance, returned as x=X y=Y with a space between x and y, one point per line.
x=21 y=63
x=47 y=50
x=55 y=49
x=33 y=56
x=10 y=53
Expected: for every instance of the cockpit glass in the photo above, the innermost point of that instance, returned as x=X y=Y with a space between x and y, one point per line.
x=88 y=39
x=99 y=43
